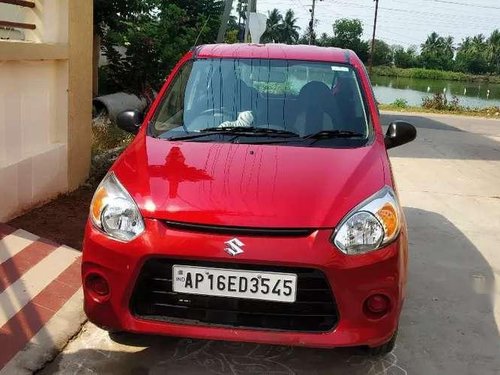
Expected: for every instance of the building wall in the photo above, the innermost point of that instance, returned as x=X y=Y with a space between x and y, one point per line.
x=45 y=103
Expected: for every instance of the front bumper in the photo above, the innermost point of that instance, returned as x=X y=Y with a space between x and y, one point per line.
x=352 y=279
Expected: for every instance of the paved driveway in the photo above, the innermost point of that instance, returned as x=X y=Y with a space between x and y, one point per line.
x=449 y=181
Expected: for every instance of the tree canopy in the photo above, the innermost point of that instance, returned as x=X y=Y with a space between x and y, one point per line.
x=281 y=29
x=347 y=33
x=154 y=34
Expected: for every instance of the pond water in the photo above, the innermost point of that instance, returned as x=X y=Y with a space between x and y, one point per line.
x=470 y=94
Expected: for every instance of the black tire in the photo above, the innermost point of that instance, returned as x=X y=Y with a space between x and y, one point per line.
x=380 y=351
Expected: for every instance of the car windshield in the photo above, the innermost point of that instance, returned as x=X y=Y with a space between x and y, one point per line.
x=287 y=98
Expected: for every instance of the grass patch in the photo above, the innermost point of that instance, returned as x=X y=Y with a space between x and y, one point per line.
x=400 y=103
x=419 y=73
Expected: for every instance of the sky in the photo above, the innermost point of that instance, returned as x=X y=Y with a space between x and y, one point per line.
x=403 y=22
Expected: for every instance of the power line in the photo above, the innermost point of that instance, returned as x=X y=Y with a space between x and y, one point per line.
x=447 y=15
x=464 y=4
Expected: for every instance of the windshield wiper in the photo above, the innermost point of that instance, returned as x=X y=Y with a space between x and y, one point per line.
x=243 y=130
x=236 y=130
x=331 y=134
x=193 y=136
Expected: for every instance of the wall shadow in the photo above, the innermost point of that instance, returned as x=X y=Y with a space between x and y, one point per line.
x=447 y=327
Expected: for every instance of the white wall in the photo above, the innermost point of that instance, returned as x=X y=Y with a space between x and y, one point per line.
x=35 y=93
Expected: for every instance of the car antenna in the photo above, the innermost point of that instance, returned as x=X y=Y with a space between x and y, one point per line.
x=201 y=30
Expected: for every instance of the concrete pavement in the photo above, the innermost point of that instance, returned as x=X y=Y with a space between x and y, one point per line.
x=449 y=183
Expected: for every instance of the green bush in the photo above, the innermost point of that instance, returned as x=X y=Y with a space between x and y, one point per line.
x=400 y=103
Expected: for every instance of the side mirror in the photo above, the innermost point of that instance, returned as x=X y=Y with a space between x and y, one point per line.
x=399 y=133
x=129 y=121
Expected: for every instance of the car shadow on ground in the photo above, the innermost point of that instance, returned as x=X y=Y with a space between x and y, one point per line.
x=447 y=327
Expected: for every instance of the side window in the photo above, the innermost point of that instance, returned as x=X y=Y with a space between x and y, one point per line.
x=171 y=110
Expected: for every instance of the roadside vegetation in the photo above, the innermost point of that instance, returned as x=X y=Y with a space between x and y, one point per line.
x=439 y=103
x=420 y=73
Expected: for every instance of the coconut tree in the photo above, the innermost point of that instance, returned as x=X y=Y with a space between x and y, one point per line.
x=289 y=28
x=437 y=52
x=493 y=51
x=471 y=55
x=273 y=27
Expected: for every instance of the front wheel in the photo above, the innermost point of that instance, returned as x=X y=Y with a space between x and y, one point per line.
x=379 y=351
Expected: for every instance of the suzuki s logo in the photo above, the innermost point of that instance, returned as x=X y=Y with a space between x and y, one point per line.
x=234 y=247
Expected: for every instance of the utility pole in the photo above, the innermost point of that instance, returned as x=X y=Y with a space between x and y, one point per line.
x=311 y=23
x=225 y=19
x=251 y=8
x=373 y=37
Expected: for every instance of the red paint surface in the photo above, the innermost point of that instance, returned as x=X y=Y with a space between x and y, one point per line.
x=272 y=187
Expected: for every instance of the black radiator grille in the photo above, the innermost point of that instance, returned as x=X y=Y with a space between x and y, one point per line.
x=240 y=231
x=314 y=310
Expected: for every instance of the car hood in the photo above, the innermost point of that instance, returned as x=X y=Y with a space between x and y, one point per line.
x=265 y=186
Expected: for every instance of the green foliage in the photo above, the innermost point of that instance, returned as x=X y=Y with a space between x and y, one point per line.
x=281 y=29
x=156 y=35
x=383 y=54
x=472 y=55
x=420 y=73
x=276 y=88
x=475 y=55
x=405 y=58
x=347 y=34
x=437 y=52
x=231 y=36
x=111 y=15
x=440 y=102
x=400 y=103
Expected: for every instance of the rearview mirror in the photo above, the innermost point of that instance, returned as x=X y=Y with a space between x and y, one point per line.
x=399 y=133
x=129 y=121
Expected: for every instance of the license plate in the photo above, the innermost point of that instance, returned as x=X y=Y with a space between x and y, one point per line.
x=269 y=286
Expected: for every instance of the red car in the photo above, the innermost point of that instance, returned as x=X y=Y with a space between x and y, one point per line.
x=256 y=203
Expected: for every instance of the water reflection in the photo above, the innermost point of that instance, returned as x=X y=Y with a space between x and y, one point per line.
x=471 y=94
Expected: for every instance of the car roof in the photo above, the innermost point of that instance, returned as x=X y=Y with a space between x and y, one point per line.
x=274 y=51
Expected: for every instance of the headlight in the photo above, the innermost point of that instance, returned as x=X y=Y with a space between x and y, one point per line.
x=371 y=225
x=114 y=211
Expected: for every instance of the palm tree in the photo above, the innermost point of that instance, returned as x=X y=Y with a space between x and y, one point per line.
x=289 y=28
x=493 y=51
x=273 y=28
x=448 y=46
x=432 y=43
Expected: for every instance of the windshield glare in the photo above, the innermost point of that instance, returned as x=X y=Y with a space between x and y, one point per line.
x=296 y=96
